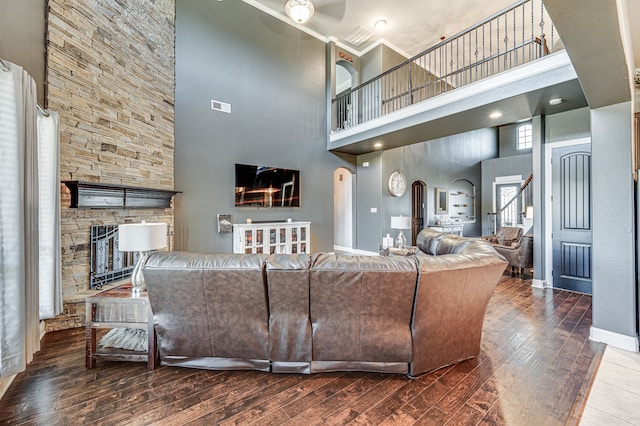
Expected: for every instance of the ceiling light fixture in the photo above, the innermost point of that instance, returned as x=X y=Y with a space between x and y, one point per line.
x=299 y=10
x=496 y=114
x=377 y=145
x=555 y=101
x=380 y=24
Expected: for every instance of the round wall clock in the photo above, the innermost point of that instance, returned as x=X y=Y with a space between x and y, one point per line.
x=397 y=183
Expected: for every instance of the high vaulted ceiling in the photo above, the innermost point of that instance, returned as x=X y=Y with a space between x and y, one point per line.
x=412 y=25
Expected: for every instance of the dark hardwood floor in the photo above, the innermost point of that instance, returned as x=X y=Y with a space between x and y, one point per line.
x=535 y=368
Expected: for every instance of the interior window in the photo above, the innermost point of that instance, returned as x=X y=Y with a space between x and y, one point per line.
x=525 y=136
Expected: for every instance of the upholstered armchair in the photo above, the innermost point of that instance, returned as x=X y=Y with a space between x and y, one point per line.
x=505 y=236
x=519 y=255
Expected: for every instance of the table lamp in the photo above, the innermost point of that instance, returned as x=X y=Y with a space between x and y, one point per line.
x=400 y=223
x=141 y=237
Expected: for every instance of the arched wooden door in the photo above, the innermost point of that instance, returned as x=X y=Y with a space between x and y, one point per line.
x=417 y=209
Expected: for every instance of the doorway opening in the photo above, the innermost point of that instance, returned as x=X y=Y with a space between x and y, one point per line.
x=418 y=207
x=343 y=187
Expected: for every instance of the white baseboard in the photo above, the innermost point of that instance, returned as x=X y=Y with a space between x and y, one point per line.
x=355 y=251
x=617 y=340
x=535 y=283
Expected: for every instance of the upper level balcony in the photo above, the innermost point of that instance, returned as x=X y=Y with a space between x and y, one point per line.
x=505 y=69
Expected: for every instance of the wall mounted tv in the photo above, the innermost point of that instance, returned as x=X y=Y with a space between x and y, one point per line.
x=263 y=186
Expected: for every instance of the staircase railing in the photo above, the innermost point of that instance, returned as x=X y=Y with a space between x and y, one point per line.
x=514 y=36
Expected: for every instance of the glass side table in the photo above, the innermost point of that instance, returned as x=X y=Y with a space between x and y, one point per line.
x=119 y=308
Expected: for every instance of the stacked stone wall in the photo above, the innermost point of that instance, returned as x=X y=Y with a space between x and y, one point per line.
x=110 y=76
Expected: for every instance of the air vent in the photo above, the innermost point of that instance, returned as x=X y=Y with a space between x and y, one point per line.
x=220 y=106
x=359 y=36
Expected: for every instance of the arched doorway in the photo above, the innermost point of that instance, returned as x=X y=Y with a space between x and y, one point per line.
x=346 y=79
x=418 y=189
x=343 y=209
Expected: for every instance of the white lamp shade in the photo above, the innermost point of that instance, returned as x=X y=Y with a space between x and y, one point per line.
x=142 y=236
x=529 y=212
x=400 y=222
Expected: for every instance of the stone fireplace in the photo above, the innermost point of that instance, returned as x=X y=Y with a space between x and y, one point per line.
x=111 y=78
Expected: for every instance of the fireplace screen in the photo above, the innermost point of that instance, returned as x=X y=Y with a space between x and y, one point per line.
x=107 y=263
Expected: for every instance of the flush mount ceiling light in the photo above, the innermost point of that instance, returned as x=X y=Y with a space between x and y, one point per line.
x=380 y=24
x=555 y=101
x=496 y=114
x=299 y=10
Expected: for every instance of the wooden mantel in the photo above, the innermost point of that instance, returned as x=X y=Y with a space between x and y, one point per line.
x=95 y=195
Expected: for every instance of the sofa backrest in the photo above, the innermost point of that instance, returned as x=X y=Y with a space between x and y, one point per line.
x=437 y=243
x=289 y=324
x=361 y=307
x=453 y=291
x=209 y=305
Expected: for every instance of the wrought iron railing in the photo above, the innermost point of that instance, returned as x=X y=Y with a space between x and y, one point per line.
x=514 y=36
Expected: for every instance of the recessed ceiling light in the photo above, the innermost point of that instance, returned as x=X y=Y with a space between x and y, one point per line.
x=555 y=101
x=377 y=145
x=495 y=114
x=380 y=24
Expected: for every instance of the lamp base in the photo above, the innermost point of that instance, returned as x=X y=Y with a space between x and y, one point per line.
x=137 y=279
x=401 y=241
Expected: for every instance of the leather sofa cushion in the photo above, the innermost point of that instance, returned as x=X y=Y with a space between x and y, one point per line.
x=289 y=325
x=361 y=307
x=209 y=305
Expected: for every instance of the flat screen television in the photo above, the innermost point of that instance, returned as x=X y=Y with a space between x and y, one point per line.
x=264 y=186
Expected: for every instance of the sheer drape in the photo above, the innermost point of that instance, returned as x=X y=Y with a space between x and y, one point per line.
x=19 y=221
x=49 y=199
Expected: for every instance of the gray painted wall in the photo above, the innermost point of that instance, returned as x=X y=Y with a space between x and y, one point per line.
x=274 y=78
x=508 y=136
x=437 y=163
x=567 y=125
x=369 y=196
x=22 y=37
x=614 y=285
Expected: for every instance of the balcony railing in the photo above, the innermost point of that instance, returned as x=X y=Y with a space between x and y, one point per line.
x=514 y=36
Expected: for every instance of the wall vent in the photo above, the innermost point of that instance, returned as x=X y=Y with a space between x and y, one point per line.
x=220 y=106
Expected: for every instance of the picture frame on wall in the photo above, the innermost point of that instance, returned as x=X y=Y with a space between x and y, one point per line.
x=442 y=201
x=224 y=223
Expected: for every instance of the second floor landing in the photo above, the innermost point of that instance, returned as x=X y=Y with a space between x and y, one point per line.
x=514 y=95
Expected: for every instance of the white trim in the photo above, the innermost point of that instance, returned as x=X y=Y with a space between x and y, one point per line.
x=508 y=179
x=355 y=251
x=536 y=283
x=617 y=340
x=548 y=213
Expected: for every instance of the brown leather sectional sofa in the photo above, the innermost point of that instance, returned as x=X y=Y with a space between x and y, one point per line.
x=324 y=312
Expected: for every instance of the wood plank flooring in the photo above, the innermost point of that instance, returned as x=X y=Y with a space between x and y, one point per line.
x=535 y=368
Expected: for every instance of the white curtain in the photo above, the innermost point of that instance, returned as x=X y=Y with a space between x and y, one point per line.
x=19 y=221
x=50 y=267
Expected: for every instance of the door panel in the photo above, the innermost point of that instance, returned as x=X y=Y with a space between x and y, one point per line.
x=572 y=233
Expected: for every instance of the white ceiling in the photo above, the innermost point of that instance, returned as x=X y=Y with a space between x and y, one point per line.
x=412 y=25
